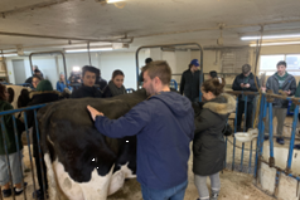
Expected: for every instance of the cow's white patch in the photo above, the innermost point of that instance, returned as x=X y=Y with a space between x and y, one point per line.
x=96 y=188
x=118 y=178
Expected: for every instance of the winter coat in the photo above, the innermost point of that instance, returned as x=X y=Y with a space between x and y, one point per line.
x=190 y=84
x=60 y=86
x=85 y=91
x=289 y=84
x=164 y=126
x=209 y=144
x=36 y=99
x=10 y=133
x=236 y=86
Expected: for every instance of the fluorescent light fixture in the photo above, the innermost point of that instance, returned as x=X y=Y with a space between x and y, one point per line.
x=274 y=44
x=76 y=69
x=113 y=1
x=9 y=55
x=270 y=37
x=85 y=50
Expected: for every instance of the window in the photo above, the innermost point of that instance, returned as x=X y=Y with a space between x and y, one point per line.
x=268 y=63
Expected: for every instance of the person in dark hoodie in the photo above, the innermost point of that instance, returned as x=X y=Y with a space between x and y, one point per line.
x=164 y=126
x=115 y=86
x=102 y=83
x=190 y=81
x=89 y=76
x=209 y=145
x=44 y=93
x=280 y=82
x=245 y=82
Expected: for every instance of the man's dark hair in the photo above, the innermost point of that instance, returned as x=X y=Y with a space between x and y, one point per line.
x=88 y=68
x=213 y=74
x=148 y=60
x=38 y=77
x=116 y=73
x=281 y=63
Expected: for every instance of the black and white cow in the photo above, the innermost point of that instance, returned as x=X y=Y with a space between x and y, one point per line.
x=83 y=164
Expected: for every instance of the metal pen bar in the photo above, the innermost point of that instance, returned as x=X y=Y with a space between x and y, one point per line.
x=4 y=134
x=47 y=53
x=292 y=142
x=168 y=46
x=263 y=124
x=258 y=141
x=245 y=128
x=250 y=158
x=7 y=112
x=234 y=140
x=29 y=150
x=40 y=152
x=19 y=153
x=271 y=130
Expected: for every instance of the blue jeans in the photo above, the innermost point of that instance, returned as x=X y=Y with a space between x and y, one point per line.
x=15 y=168
x=174 y=193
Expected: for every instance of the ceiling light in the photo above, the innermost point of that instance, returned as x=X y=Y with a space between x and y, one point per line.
x=274 y=44
x=76 y=69
x=9 y=55
x=86 y=50
x=113 y=1
x=270 y=37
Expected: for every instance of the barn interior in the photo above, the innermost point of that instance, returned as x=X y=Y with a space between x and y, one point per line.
x=107 y=34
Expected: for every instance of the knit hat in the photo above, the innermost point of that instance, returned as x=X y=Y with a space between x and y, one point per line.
x=44 y=86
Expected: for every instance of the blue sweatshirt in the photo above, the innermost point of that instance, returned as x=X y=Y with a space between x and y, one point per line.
x=164 y=125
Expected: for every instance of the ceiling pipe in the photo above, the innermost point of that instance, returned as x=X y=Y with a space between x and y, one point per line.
x=121 y=40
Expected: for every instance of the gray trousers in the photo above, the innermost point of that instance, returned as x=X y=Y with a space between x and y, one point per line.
x=200 y=182
x=280 y=114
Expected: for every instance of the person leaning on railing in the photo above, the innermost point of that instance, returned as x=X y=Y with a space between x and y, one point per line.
x=13 y=153
x=280 y=82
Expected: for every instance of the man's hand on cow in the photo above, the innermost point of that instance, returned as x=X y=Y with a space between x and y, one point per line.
x=94 y=112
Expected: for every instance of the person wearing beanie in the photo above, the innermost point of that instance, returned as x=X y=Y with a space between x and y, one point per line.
x=245 y=82
x=190 y=81
x=44 y=93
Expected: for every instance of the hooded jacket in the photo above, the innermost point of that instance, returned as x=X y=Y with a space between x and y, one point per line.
x=236 y=86
x=190 y=84
x=164 y=125
x=289 y=84
x=209 y=145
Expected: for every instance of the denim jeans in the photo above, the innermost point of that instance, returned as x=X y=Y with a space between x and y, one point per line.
x=14 y=166
x=174 y=193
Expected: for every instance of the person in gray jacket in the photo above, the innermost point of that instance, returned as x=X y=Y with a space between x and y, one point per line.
x=209 y=145
x=280 y=82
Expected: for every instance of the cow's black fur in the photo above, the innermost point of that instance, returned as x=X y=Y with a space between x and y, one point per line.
x=76 y=141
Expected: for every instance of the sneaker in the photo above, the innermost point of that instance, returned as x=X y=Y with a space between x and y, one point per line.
x=280 y=141
x=297 y=146
x=6 y=193
x=18 y=192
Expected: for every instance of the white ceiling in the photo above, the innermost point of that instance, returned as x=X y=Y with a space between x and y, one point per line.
x=147 y=21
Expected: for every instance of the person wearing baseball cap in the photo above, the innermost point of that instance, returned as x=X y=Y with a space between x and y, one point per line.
x=189 y=84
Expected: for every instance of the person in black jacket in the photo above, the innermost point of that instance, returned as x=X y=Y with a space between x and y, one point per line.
x=102 y=83
x=245 y=82
x=36 y=72
x=115 y=86
x=190 y=81
x=209 y=145
x=44 y=94
x=89 y=76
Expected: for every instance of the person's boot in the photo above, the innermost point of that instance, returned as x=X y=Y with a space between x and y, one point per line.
x=6 y=193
